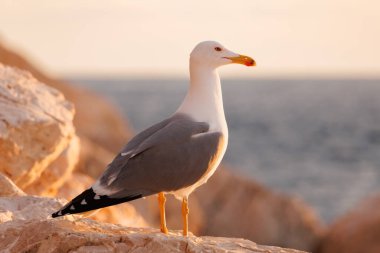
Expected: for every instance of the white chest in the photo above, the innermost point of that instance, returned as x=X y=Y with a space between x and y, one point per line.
x=204 y=103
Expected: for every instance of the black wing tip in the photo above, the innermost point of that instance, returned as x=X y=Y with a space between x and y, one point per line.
x=55 y=215
x=88 y=201
x=59 y=213
x=65 y=209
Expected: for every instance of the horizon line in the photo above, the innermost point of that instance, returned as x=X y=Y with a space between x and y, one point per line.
x=225 y=77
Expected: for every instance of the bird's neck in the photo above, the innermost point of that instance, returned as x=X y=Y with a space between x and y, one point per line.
x=204 y=101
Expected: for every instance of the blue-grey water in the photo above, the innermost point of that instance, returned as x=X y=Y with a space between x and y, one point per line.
x=316 y=139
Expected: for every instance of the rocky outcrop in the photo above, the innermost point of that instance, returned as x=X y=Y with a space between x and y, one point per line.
x=84 y=236
x=102 y=130
x=239 y=207
x=21 y=208
x=356 y=232
x=35 y=126
x=8 y=188
x=95 y=119
x=58 y=172
x=93 y=158
x=25 y=226
x=40 y=149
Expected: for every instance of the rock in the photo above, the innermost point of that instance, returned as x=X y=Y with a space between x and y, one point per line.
x=124 y=214
x=356 y=232
x=8 y=188
x=35 y=126
x=93 y=158
x=25 y=227
x=102 y=132
x=104 y=125
x=90 y=236
x=21 y=208
x=74 y=185
x=57 y=172
x=239 y=207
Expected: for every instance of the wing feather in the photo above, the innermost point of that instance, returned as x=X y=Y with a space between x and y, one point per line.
x=166 y=159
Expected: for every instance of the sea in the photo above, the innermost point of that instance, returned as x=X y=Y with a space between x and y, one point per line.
x=318 y=140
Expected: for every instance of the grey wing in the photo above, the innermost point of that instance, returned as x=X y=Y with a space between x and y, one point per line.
x=173 y=157
x=135 y=142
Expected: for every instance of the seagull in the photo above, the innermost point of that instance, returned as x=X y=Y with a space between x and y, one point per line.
x=176 y=155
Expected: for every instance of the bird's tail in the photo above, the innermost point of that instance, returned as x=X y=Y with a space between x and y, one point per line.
x=89 y=200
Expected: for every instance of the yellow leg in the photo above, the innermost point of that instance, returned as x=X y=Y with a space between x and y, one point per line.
x=161 y=202
x=185 y=215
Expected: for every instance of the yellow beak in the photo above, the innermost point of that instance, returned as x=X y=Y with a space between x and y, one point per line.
x=242 y=59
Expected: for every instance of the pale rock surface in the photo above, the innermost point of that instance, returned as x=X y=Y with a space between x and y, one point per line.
x=58 y=172
x=35 y=125
x=25 y=226
x=74 y=185
x=99 y=125
x=96 y=119
x=8 y=188
x=358 y=231
x=87 y=236
x=93 y=158
x=27 y=207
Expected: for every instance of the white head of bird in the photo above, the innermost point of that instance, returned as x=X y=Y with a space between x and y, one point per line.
x=203 y=101
x=212 y=54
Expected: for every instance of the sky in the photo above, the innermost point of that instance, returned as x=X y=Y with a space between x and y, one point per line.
x=287 y=38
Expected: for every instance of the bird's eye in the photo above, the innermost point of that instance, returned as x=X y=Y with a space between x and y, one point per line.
x=218 y=49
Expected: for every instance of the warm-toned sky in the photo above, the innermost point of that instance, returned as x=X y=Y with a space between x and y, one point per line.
x=154 y=37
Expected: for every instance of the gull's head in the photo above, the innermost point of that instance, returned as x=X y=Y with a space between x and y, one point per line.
x=214 y=54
